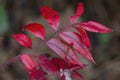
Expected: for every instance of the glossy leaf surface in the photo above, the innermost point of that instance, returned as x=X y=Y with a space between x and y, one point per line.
x=23 y=40
x=51 y=16
x=79 y=12
x=63 y=50
x=37 y=29
x=93 y=26
x=76 y=41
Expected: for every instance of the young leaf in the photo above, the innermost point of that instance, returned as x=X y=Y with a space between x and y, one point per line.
x=23 y=40
x=63 y=51
x=51 y=16
x=33 y=68
x=75 y=40
x=79 y=12
x=37 y=29
x=84 y=36
x=93 y=26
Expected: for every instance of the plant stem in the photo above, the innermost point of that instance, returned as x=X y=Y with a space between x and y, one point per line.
x=57 y=32
x=11 y=60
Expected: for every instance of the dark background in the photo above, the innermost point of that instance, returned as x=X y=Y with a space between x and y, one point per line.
x=105 y=47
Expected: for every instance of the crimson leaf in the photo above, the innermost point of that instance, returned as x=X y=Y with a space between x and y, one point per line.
x=37 y=29
x=93 y=26
x=63 y=50
x=79 y=12
x=84 y=36
x=51 y=16
x=57 y=65
x=50 y=66
x=23 y=40
x=33 y=68
x=75 y=40
x=28 y=62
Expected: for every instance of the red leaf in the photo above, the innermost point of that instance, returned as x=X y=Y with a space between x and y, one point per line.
x=50 y=66
x=23 y=40
x=54 y=64
x=93 y=26
x=63 y=51
x=79 y=12
x=33 y=68
x=84 y=36
x=37 y=29
x=75 y=40
x=51 y=16
x=37 y=74
x=62 y=64
x=58 y=66
x=29 y=63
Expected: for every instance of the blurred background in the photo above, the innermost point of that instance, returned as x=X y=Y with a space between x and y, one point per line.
x=14 y=14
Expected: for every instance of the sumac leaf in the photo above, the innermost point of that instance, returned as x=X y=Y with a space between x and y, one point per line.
x=51 y=16
x=93 y=26
x=79 y=12
x=37 y=29
x=84 y=36
x=33 y=68
x=75 y=40
x=23 y=40
x=63 y=50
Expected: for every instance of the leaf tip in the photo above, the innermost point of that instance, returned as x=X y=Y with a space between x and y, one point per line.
x=51 y=15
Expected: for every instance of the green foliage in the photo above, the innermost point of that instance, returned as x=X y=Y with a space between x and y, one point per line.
x=104 y=39
x=3 y=19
